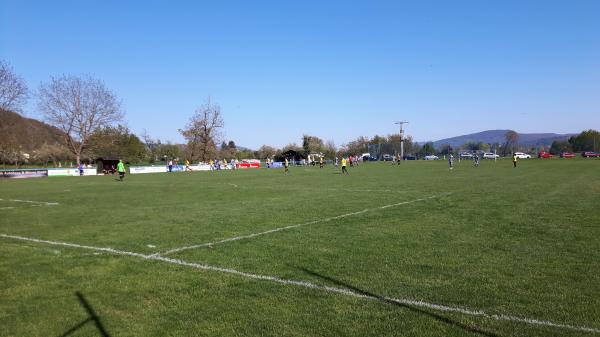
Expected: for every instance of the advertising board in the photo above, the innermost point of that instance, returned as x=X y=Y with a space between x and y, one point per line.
x=203 y=167
x=247 y=165
x=70 y=172
x=147 y=169
x=24 y=173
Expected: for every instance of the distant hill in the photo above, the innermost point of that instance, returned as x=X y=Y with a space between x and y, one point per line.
x=26 y=133
x=498 y=136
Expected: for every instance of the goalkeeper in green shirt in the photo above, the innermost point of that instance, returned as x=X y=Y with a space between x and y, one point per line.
x=121 y=170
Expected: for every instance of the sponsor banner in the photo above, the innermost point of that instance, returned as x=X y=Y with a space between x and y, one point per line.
x=203 y=167
x=276 y=164
x=20 y=174
x=71 y=172
x=247 y=165
x=148 y=169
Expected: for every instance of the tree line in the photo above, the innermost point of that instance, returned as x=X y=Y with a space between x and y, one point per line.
x=86 y=119
x=586 y=141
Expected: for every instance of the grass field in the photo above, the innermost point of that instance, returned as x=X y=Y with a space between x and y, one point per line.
x=414 y=250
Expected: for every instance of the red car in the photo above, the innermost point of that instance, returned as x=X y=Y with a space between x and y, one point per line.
x=590 y=154
x=568 y=155
x=543 y=154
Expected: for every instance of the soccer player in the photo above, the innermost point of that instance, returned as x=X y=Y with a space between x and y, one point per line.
x=515 y=158
x=286 y=164
x=187 y=165
x=344 y=170
x=321 y=162
x=121 y=170
x=451 y=162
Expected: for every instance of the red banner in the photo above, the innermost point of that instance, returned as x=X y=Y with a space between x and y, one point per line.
x=247 y=165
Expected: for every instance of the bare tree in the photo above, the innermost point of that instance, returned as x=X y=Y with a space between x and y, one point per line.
x=13 y=90
x=330 y=149
x=78 y=106
x=266 y=151
x=52 y=153
x=203 y=132
x=512 y=138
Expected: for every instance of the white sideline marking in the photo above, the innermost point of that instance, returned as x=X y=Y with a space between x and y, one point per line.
x=305 y=284
x=37 y=203
x=210 y=244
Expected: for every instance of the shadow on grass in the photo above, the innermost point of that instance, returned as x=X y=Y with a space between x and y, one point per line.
x=434 y=316
x=93 y=317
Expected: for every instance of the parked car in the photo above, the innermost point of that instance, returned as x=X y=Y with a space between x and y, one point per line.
x=368 y=157
x=466 y=155
x=544 y=154
x=522 y=155
x=590 y=154
x=431 y=157
x=489 y=155
x=409 y=157
x=387 y=157
x=568 y=155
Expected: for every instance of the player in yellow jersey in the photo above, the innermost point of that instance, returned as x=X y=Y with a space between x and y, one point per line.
x=344 y=170
x=286 y=165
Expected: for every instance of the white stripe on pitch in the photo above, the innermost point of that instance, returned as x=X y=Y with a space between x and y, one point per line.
x=305 y=284
x=32 y=202
x=279 y=229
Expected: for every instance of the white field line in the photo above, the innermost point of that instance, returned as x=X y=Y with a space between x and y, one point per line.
x=279 y=229
x=36 y=203
x=309 y=285
x=366 y=190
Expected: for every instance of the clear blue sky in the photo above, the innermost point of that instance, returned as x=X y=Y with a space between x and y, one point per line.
x=334 y=69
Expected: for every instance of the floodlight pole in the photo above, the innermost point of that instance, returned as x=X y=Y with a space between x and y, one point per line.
x=401 y=123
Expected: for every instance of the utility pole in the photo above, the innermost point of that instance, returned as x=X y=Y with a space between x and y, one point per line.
x=401 y=123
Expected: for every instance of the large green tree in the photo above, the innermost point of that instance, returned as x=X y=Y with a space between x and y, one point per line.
x=586 y=141
x=446 y=149
x=116 y=141
x=312 y=144
x=559 y=146
x=427 y=149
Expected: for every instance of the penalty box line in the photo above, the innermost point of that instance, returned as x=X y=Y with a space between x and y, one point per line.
x=279 y=229
x=310 y=285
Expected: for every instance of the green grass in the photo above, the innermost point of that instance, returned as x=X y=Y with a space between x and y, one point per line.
x=523 y=242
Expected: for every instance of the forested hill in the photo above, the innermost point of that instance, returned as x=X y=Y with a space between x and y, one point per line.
x=26 y=134
x=498 y=136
